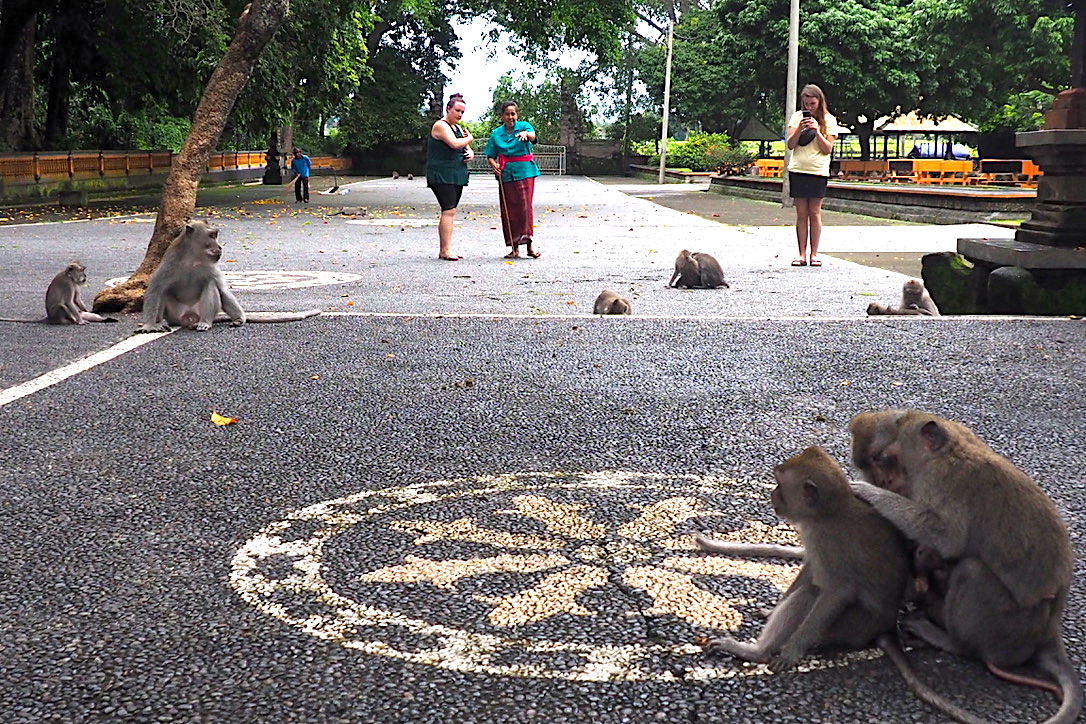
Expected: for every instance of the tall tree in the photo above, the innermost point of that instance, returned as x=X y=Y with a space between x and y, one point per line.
x=980 y=53
x=256 y=26
x=18 y=39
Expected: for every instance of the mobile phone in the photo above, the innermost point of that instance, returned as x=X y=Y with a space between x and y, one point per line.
x=806 y=114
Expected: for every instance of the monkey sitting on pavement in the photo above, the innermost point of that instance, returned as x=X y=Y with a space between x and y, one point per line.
x=697 y=270
x=1007 y=589
x=915 y=301
x=189 y=290
x=62 y=302
x=609 y=302
x=852 y=582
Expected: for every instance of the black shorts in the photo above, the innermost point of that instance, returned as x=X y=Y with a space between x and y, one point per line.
x=806 y=186
x=448 y=195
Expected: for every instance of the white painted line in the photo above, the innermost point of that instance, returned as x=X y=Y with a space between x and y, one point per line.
x=904 y=319
x=59 y=375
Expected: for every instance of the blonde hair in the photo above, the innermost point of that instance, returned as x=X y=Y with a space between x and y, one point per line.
x=812 y=91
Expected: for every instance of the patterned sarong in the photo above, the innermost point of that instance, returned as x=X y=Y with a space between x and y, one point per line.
x=516 y=207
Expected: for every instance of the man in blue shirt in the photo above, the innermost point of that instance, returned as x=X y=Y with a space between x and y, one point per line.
x=301 y=164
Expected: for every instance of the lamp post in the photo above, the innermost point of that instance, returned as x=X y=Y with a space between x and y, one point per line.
x=790 y=93
x=667 y=99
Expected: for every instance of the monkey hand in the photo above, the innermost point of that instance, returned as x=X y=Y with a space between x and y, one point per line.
x=152 y=328
x=786 y=660
x=237 y=321
x=865 y=491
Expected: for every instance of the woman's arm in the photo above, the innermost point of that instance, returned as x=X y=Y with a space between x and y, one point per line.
x=793 y=133
x=442 y=131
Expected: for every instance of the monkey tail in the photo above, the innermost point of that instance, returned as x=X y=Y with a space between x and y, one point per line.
x=275 y=317
x=1053 y=660
x=43 y=320
x=926 y=694
x=1024 y=680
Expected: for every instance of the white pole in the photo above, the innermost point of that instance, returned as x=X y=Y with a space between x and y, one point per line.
x=667 y=101
x=790 y=92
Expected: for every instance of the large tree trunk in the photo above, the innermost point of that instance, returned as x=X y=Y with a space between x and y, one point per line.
x=256 y=26
x=18 y=26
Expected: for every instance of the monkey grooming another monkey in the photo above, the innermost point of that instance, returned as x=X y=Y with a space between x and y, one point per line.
x=62 y=302
x=609 y=302
x=852 y=582
x=915 y=300
x=697 y=271
x=712 y=276
x=1011 y=555
x=189 y=290
x=687 y=273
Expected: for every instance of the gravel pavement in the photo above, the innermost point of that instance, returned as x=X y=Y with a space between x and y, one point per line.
x=457 y=496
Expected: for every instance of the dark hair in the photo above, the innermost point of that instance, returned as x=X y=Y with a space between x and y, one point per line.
x=295 y=150
x=506 y=104
x=454 y=98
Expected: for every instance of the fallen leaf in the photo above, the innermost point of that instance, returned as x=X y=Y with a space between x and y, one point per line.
x=350 y=304
x=390 y=355
x=222 y=419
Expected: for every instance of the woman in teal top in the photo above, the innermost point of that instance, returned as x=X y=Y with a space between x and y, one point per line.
x=509 y=153
x=447 y=155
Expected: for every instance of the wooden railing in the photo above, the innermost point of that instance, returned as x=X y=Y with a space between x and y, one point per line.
x=32 y=168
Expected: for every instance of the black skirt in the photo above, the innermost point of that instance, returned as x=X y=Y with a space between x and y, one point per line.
x=806 y=185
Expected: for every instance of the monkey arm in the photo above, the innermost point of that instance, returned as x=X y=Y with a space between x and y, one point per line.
x=153 y=319
x=230 y=305
x=916 y=522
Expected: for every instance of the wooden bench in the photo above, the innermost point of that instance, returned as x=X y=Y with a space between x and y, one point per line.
x=852 y=170
x=769 y=167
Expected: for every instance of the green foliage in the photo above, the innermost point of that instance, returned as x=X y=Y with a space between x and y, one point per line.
x=957 y=38
x=699 y=152
x=537 y=103
x=1021 y=112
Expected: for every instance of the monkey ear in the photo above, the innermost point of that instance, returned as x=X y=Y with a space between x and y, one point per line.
x=188 y=229
x=810 y=493
x=934 y=435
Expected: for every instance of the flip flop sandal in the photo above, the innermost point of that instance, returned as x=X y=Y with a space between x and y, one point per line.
x=816 y=262
x=799 y=262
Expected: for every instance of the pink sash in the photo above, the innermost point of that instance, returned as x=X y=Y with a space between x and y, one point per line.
x=502 y=160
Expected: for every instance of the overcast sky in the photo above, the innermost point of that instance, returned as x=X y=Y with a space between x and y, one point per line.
x=476 y=74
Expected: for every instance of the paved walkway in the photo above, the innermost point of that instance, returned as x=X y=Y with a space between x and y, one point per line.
x=459 y=497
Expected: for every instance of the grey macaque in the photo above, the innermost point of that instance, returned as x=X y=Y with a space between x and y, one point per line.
x=712 y=276
x=62 y=302
x=852 y=582
x=915 y=300
x=1007 y=589
x=609 y=302
x=697 y=270
x=189 y=290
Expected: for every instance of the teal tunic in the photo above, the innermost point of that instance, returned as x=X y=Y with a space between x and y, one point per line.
x=506 y=143
x=445 y=165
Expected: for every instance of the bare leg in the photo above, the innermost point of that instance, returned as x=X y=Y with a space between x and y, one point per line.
x=444 y=234
x=814 y=221
x=801 y=226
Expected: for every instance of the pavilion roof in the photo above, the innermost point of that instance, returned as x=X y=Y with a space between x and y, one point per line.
x=913 y=123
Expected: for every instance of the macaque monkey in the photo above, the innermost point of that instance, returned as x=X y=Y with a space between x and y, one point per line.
x=915 y=300
x=852 y=582
x=712 y=276
x=189 y=290
x=609 y=302
x=687 y=274
x=697 y=271
x=1007 y=589
x=62 y=302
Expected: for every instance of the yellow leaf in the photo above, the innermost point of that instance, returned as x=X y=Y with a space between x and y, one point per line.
x=221 y=419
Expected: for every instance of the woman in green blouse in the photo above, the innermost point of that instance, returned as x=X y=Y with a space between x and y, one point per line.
x=447 y=155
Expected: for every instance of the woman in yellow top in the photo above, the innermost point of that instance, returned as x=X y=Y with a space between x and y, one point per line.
x=811 y=133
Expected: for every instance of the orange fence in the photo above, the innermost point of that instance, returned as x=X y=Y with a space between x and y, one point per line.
x=50 y=167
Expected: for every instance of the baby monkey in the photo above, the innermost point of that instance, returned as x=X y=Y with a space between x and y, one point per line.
x=915 y=301
x=854 y=577
x=609 y=302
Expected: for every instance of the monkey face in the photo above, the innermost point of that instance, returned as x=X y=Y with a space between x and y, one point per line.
x=77 y=273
